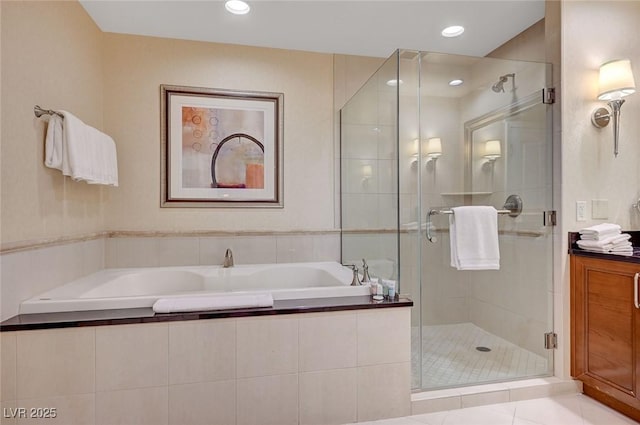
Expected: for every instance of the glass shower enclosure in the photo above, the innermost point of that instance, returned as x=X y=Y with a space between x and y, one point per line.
x=414 y=143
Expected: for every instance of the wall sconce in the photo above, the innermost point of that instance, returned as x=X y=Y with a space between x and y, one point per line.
x=434 y=149
x=615 y=82
x=367 y=172
x=492 y=150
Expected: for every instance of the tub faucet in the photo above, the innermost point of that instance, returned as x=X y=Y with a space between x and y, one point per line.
x=228 y=259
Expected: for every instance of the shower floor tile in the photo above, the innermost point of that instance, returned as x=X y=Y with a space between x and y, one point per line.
x=450 y=357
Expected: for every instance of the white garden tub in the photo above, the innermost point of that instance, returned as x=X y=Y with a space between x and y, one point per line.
x=142 y=287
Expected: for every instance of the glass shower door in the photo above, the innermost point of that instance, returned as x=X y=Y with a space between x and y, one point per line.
x=485 y=326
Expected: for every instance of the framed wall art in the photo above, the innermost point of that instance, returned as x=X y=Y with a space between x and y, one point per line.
x=221 y=148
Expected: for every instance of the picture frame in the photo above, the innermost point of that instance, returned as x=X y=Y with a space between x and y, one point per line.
x=221 y=148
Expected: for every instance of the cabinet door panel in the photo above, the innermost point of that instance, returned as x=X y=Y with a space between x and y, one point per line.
x=610 y=327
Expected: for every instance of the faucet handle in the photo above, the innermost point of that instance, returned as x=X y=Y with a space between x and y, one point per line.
x=356 y=279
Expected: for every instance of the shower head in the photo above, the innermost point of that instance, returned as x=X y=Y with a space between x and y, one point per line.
x=499 y=86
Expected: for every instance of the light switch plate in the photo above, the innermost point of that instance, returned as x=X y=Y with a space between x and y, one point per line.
x=581 y=210
x=600 y=209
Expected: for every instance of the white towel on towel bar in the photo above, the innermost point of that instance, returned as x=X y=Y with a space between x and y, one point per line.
x=216 y=302
x=473 y=232
x=53 y=143
x=80 y=151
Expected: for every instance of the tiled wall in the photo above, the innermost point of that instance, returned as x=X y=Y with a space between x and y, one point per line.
x=25 y=274
x=320 y=368
x=210 y=250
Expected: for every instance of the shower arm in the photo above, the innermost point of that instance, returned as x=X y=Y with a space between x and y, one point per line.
x=512 y=207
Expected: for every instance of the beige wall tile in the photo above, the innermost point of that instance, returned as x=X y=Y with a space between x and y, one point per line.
x=7 y=366
x=246 y=249
x=384 y=336
x=294 y=249
x=131 y=356
x=269 y=400
x=328 y=397
x=207 y=403
x=328 y=341
x=326 y=247
x=145 y=406
x=384 y=391
x=484 y=398
x=439 y=404
x=69 y=410
x=55 y=362
x=162 y=251
x=267 y=346
x=9 y=407
x=202 y=350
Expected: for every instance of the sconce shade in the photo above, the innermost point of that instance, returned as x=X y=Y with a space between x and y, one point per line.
x=434 y=147
x=367 y=171
x=492 y=149
x=616 y=80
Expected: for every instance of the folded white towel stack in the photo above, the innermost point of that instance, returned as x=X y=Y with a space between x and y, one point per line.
x=473 y=233
x=215 y=302
x=605 y=238
x=80 y=151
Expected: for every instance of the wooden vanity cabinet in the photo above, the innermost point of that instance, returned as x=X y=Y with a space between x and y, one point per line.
x=605 y=331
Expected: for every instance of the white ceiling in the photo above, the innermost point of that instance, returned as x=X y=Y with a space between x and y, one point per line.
x=368 y=28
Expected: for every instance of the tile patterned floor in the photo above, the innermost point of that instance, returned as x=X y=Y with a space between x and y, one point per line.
x=450 y=357
x=574 y=409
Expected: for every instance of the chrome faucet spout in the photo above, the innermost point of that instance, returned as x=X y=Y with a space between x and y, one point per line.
x=228 y=259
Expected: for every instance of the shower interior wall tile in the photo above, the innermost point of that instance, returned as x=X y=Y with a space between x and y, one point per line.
x=246 y=249
x=360 y=211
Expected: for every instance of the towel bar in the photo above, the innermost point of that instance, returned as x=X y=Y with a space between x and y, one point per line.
x=512 y=206
x=38 y=111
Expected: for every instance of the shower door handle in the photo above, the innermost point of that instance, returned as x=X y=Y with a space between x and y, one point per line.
x=635 y=290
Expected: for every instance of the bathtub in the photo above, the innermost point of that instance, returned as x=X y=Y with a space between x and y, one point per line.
x=142 y=287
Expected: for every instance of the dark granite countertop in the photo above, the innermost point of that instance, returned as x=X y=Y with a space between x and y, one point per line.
x=73 y=319
x=635 y=241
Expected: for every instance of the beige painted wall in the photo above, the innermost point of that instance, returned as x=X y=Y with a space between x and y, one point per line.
x=135 y=67
x=590 y=169
x=51 y=56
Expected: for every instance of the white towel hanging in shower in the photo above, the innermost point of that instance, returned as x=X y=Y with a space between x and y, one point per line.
x=473 y=232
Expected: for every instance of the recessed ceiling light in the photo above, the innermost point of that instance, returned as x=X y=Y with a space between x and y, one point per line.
x=394 y=82
x=455 y=82
x=237 y=7
x=453 y=31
